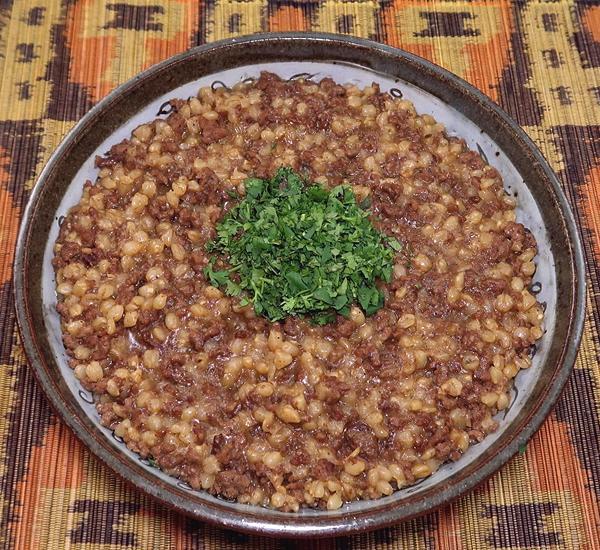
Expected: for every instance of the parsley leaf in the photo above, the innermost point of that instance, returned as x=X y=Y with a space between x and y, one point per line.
x=294 y=248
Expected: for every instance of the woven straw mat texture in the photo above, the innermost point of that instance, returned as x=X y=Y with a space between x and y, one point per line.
x=540 y=60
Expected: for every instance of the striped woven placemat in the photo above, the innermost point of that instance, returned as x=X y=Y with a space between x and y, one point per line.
x=540 y=60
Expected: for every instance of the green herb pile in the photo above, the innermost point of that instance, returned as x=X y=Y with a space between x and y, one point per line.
x=293 y=248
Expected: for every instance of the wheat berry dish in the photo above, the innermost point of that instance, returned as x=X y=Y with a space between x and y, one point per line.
x=297 y=293
x=299 y=284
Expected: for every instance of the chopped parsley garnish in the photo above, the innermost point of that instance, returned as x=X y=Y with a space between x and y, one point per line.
x=294 y=248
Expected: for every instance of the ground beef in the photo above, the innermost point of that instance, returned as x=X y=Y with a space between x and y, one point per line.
x=358 y=435
x=230 y=483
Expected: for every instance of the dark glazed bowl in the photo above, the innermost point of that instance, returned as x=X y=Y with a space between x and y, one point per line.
x=560 y=255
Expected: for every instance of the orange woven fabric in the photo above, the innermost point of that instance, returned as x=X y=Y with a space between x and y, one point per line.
x=540 y=60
